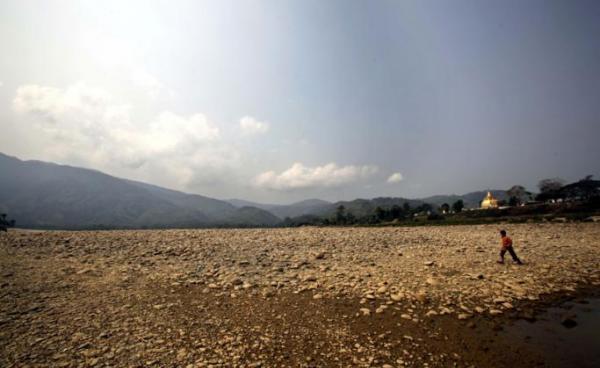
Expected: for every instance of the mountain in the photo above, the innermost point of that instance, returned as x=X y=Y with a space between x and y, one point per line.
x=40 y=194
x=366 y=207
x=47 y=195
x=308 y=206
x=471 y=200
x=252 y=216
x=239 y=203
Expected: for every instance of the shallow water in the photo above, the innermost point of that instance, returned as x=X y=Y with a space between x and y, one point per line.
x=578 y=346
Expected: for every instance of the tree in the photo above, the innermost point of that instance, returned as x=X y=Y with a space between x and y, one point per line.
x=584 y=189
x=517 y=194
x=445 y=208
x=550 y=185
x=380 y=213
x=396 y=212
x=340 y=215
x=458 y=206
x=550 y=188
x=406 y=207
x=350 y=218
x=425 y=207
x=4 y=223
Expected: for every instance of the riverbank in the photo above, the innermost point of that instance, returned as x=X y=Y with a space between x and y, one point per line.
x=308 y=297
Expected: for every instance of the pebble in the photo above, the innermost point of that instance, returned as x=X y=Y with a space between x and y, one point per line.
x=365 y=311
x=438 y=274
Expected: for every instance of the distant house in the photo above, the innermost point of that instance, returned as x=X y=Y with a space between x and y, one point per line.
x=489 y=202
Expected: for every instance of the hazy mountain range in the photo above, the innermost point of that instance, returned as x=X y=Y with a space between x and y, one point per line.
x=47 y=195
x=41 y=194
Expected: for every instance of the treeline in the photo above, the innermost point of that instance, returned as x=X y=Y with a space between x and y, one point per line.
x=586 y=189
x=379 y=215
x=554 y=196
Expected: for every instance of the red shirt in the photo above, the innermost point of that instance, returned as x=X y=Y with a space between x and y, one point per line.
x=506 y=242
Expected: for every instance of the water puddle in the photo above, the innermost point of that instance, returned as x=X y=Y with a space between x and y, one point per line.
x=567 y=335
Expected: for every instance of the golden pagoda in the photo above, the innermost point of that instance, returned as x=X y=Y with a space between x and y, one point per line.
x=489 y=201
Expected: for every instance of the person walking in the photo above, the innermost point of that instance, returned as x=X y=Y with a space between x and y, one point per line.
x=507 y=246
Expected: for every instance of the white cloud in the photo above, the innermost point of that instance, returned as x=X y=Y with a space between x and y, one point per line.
x=250 y=125
x=169 y=131
x=149 y=83
x=82 y=125
x=299 y=176
x=395 y=178
x=78 y=120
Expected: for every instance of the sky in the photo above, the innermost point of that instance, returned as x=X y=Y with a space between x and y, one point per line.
x=279 y=101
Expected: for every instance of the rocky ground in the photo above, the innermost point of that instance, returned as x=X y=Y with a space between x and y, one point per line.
x=307 y=297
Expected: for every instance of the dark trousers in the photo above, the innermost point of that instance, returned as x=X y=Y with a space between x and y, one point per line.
x=512 y=253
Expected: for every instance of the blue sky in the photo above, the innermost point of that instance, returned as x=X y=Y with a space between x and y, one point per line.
x=277 y=101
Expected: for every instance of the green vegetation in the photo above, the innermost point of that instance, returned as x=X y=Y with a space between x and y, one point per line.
x=556 y=202
x=458 y=206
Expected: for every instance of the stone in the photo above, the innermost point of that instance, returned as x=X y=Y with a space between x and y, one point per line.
x=396 y=297
x=164 y=274
x=507 y=305
x=431 y=313
x=309 y=278
x=268 y=293
x=182 y=354
x=381 y=309
x=431 y=281
x=422 y=297
x=382 y=290
x=445 y=310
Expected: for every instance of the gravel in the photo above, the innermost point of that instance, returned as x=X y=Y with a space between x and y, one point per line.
x=271 y=297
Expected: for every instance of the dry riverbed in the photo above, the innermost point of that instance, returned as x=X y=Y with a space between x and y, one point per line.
x=307 y=297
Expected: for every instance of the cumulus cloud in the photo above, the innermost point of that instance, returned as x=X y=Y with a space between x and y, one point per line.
x=299 y=176
x=149 y=83
x=84 y=125
x=75 y=119
x=395 y=178
x=170 y=130
x=250 y=126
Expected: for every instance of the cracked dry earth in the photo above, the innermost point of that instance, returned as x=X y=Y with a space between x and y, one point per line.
x=307 y=297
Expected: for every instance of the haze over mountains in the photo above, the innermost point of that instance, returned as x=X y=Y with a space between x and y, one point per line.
x=46 y=195
x=41 y=194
